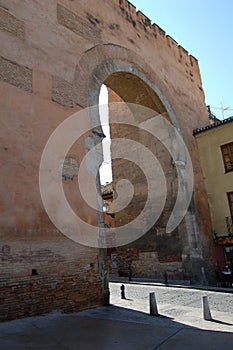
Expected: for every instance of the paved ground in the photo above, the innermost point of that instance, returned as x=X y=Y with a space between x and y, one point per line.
x=126 y=325
x=181 y=305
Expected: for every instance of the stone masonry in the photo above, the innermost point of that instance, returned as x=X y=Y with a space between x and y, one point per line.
x=55 y=55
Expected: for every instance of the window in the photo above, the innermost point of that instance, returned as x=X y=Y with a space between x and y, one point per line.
x=230 y=201
x=227 y=154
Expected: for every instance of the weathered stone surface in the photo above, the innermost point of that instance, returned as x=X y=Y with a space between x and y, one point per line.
x=62 y=92
x=77 y=24
x=15 y=74
x=11 y=24
x=68 y=168
x=42 y=82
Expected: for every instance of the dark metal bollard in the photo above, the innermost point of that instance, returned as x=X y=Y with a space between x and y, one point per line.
x=153 y=305
x=206 y=309
x=123 y=292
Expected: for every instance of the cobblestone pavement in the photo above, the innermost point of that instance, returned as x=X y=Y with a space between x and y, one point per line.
x=182 y=305
x=127 y=325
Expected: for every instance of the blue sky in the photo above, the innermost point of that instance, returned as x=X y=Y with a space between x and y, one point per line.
x=205 y=29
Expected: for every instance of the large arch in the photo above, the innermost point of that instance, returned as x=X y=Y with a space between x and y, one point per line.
x=102 y=61
x=133 y=80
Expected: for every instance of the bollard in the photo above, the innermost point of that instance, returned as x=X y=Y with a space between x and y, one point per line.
x=153 y=305
x=206 y=309
x=123 y=292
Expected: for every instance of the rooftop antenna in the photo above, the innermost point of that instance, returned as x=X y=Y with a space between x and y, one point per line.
x=223 y=109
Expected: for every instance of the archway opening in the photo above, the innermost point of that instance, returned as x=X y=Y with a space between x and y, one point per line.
x=156 y=249
x=106 y=167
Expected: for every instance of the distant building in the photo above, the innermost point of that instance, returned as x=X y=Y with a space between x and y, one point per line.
x=215 y=143
x=110 y=224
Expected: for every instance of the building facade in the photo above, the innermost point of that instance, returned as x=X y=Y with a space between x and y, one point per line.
x=215 y=143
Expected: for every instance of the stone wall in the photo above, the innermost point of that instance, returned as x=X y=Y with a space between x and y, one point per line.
x=55 y=55
x=34 y=101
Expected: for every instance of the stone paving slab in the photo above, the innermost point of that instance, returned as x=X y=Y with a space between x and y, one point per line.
x=81 y=332
x=108 y=328
x=193 y=339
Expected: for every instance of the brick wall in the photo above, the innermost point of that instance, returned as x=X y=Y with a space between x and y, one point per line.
x=36 y=295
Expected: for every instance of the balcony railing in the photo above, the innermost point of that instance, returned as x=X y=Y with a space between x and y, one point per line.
x=229 y=222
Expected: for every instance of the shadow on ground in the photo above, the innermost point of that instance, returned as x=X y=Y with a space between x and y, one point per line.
x=115 y=328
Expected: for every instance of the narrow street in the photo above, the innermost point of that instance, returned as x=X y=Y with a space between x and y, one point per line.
x=183 y=305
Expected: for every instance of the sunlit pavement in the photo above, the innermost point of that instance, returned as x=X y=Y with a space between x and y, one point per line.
x=127 y=324
x=179 y=304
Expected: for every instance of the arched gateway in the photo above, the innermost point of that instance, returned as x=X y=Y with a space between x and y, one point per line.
x=55 y=57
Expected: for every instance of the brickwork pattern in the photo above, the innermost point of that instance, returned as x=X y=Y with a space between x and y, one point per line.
x=15 y=74
x=77 y=24
x=36 y=295
x=62 y=92
x=11 y=24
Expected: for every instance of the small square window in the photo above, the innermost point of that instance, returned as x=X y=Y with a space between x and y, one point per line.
x=227 y=155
